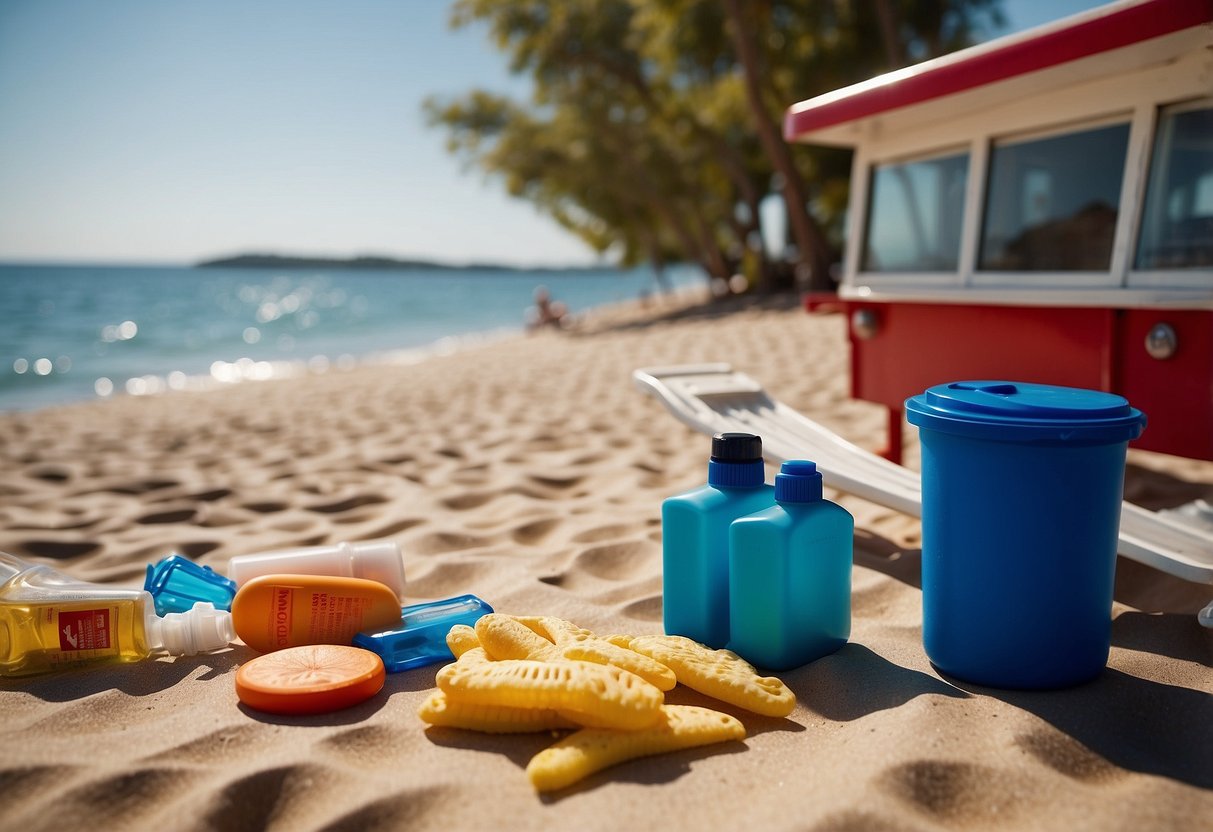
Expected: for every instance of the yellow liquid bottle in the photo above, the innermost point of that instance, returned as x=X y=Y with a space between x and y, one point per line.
x=49 y=621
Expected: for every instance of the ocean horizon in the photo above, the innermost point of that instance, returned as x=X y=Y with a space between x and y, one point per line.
x=78 y=332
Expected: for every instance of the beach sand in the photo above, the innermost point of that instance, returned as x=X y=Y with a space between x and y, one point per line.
x=531 y=473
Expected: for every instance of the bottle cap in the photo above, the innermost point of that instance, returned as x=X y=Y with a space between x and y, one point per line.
x=798 y=481
x=199 y=630
x=176 y=583
x=736 y=461
x=736 y=447
x=375 y=560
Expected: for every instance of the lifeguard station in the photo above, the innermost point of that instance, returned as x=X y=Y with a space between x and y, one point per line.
x=1039 y=207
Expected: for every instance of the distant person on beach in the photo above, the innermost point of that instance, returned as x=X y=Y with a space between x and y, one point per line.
x=546 y=312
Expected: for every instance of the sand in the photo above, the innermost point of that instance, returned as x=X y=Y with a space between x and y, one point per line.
x=531 y=473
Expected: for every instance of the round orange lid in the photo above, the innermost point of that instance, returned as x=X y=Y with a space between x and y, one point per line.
x=311 y=679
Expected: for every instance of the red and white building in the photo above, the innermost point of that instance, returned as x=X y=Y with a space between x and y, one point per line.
x=1038 y=208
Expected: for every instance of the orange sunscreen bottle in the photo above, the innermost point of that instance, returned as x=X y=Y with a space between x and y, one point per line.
x=277 y=611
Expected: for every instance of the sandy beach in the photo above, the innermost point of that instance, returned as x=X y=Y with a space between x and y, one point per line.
x=530 y=472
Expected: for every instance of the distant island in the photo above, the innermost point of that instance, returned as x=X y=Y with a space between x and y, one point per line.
x=278 y=261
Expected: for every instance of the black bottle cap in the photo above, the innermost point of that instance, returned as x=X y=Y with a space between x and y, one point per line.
x=736 y=447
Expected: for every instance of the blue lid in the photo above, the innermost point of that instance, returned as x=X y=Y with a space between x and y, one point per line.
x=798 y=481
x=1022 y=412
x=176 y=583
x=420 y=637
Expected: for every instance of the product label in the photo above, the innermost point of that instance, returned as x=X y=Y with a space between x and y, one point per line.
x=336 y=618
x=280 y=620
x=84 y=629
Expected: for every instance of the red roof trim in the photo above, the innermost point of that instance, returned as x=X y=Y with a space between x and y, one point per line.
x=1103 y=29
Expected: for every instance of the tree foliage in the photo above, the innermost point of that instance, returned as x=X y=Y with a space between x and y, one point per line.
x=649 y=133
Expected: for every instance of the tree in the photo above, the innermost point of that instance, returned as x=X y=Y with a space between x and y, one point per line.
x=653 y=132
x=626 y=162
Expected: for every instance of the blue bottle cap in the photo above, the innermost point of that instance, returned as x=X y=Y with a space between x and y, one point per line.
x=798 y=481
x=420 y=638
x=176 y=583
x=1021 y=412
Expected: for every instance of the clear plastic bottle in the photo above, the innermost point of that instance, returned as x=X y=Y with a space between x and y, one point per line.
x=790 y=574
x=695 y=538
x=50 y=621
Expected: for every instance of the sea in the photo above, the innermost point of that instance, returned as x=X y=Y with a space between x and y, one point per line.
x=74 y=333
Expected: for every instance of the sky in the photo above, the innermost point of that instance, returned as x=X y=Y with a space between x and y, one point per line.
x=165 y=131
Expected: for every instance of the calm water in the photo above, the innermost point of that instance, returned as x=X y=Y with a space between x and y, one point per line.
x=74 y=333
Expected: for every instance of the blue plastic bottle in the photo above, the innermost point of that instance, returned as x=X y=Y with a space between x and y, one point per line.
x=695 y=538
x=176 y=583
x=790 y=574
x=420 y=637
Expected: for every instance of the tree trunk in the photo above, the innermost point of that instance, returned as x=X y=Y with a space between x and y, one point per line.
x=809 y=240
x=889 y=34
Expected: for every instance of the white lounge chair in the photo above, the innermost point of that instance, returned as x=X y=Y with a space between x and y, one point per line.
x=712 y=398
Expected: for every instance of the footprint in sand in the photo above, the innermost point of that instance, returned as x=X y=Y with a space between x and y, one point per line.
x=273 y=795
x=57 y=549
x=180 y=515
x=210 y=495
x=470 y=500
x=645 y=609
x=535 y=531
x=356 y=501
x=50 y=472
x=955 y=792
x=555 y=482
x=449 y=579
x=367 y=746
x=438 y=543
x=618 y=561
x=861 y=821
x=119 y=801
x=392 y=528
x=598 y=534
x=32 y=787
x=141 y=487
x=399 y=811
x=1067 y=756
x=220 y=746
x=266 y=506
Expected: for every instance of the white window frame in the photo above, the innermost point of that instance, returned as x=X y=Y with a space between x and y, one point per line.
x=1052 y=279
x=1137 y=97
x=1189 y=277
x=948 y=278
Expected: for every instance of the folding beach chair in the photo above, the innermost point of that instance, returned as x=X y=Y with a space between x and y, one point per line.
x=712 y=398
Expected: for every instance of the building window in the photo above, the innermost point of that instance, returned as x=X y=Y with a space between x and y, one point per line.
x=1177 y=221
x=1051 y=203
x=914 y=215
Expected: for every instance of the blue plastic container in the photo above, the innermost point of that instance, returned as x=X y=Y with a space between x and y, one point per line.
x=420 y=637
x=1021 y=492
x=695 y=539
x=790 y=574
x=176 y=583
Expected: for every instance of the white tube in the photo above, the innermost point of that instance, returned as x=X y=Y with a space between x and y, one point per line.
x=376 y=560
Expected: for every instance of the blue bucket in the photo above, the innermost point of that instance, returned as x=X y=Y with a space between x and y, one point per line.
x=1021 y=493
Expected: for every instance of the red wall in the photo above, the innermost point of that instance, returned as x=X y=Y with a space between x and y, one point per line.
x=920 y=345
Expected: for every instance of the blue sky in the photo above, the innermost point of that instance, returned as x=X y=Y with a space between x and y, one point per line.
x=162 y=131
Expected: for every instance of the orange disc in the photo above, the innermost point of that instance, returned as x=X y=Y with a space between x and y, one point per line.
x=312 y=679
